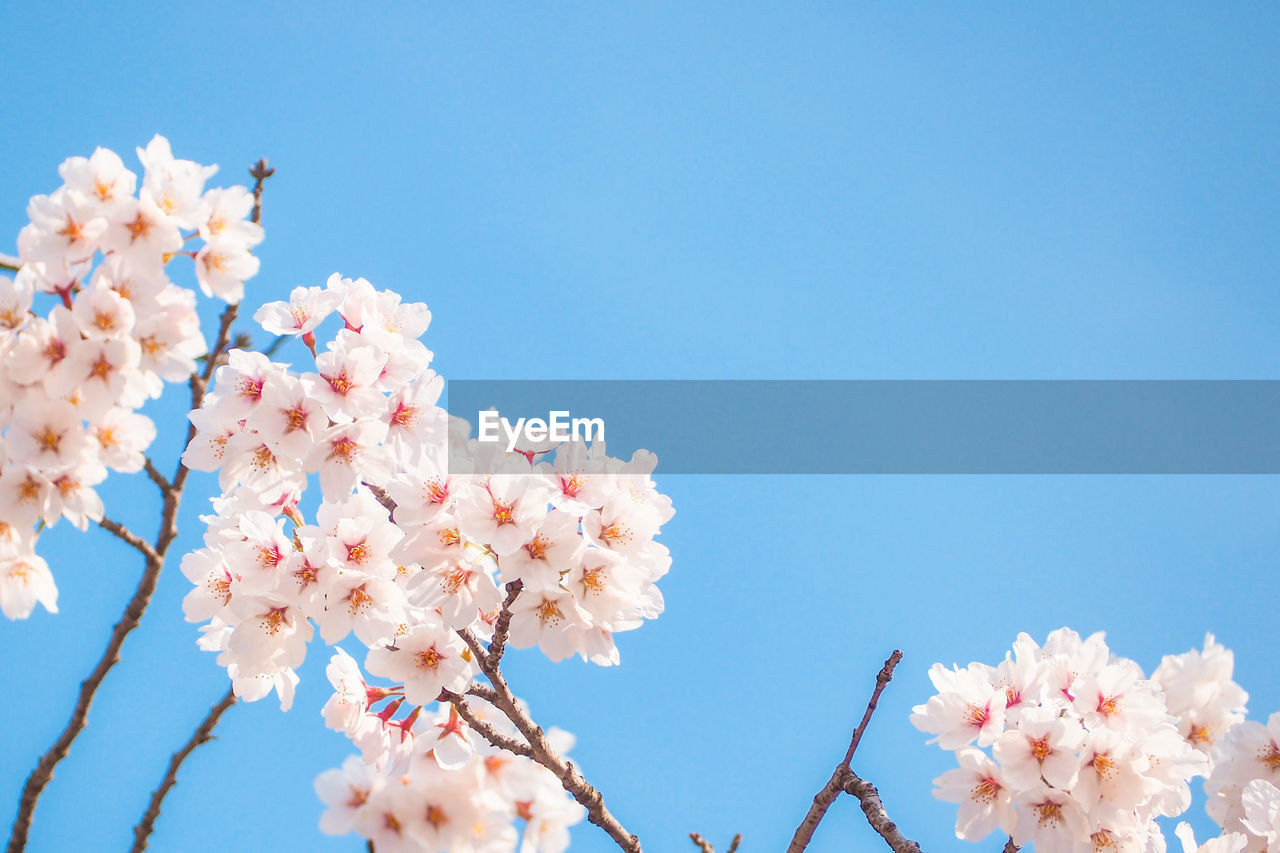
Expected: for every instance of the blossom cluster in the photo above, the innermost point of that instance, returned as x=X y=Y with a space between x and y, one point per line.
x=1087 y=753
x=442 y=787
x=1242 y=787
x=415 y=528
x=1084 y=754
x=71 y=381
x=1200 y=693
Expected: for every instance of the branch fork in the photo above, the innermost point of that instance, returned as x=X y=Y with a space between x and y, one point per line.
x=843 y=779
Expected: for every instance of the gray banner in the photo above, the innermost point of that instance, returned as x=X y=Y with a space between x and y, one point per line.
x=908 y=427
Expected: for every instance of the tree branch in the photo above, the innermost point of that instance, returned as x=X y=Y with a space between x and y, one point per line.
x=825 y=797
x=383 y=498
x=9 y=262
x=486 y=731
x=701 y=843
x=199 y=381
x=259 y=172
x=485 y=693
x=156 y=477
x=541 y=752
x=154 y=562
x=873 y=808
x=1010 y=847
x=706 y=847
x=202 y=734
x=127 y=535
x=503 y=624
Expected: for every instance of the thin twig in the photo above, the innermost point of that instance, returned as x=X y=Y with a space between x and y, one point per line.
x=201 y=735
x=481 y=656
x=43 y=771
x=127 y=535
x=502 y=626
x=485 y=693
x=154 y=562
x=702 y=844
x=9 y=262
x=882 y=681
x=1010 y=847
x=873 y=808
x=199 y=383
x=259 y=172
x=275 y=345
x=154 y=473
x=383 y=498
x=199 y=380
x=541 y=752
x=485 y=730
x=706 y=846
x=825 y=797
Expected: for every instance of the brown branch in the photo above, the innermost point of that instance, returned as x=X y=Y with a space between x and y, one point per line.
x=154 y=562
x=154 y=473
x=706 y=847
x=541 y=752
x=125 y=534
x=43 y=771
x=201 y=735
x=199 y=383
x=383 y=498
x=485 y=730
x=259 y=172
x=199 y=380
x=873 y=808
x=9 y=262
x=1010 y=847
x=492 y=658
x=503 y=624
x=485 y=693
x=825 y=797
x=481 y=657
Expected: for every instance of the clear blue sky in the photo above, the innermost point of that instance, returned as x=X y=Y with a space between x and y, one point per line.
x=728 y=191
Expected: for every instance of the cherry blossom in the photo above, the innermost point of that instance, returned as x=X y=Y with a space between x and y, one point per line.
x=92 y=327
x=1082 y=747
x=1199 y=691
x=416 y=527
x=1248 y=753
x=984 y=798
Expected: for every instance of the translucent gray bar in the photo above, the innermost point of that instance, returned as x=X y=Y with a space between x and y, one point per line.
x=913 y=427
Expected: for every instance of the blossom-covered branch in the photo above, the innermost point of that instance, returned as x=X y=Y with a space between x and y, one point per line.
x=135 y=331
x=438 y=553
x=541 y=751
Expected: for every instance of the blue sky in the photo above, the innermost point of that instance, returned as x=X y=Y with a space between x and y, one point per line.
x=729 y=191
